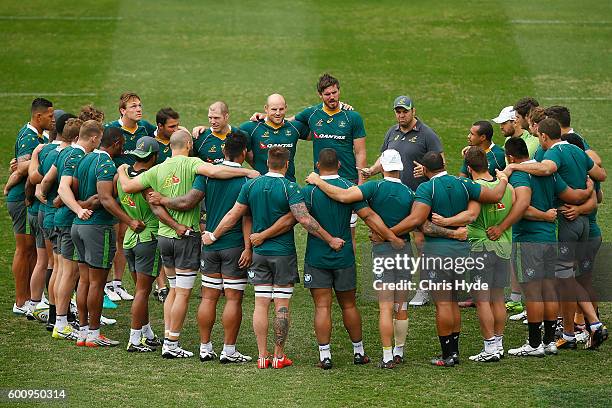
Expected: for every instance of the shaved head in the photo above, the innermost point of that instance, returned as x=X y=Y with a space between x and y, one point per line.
x=219 y=106
x=275 y=109
x=180 y=139
x=276 y=99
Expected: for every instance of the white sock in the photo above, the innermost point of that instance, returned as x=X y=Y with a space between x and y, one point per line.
x=324 y=351
x=147 y=331
x=171 y=344
x=398 y=351
x=490 y=345
x=61 y=322
x=358 y=348
x=116 y=283
x=515 y=297
x=93 y=334
x=135 y=335
x=596 y=326
x=206 y=347
x=109 y=285
x=387 y=354
x=83 y=330
x=229 y=349
x=499 y=341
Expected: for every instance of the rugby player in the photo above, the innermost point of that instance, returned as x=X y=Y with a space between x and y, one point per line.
x=481 y=135
x=510 y=126
x=29 y=136
x=274 y=269
x=180 y=254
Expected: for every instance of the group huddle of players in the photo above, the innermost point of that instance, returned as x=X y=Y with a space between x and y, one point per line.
x=84 y=196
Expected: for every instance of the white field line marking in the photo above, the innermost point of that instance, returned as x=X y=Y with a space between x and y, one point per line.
x=578 y=98
x=561 y=22
x=11 y=94
x=62 y=18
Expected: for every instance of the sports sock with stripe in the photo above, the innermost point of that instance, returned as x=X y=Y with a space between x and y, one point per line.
x=93 y=334
x=387 y=354
x=490 y=345
x=446 y=346
x=324 y=351
x=229 y=349
x=535 y=334
x=147 y=331
x=569 y=336
x=208 y=347
x=595 y=326
x=61 y=321
x=358 y=347
x=135 y=335
x=400 y=330
x=83 y=330
x=549 y=331
x=455 y=342
x=499 y=341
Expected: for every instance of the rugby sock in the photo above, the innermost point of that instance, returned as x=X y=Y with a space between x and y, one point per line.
x=147 y=331
x=549 y=331
x=206 y=347
x=516 y=296
x=535 y=334
x=135 y=335
x=569 y=336
x=490 y=345
x=83 y=330
x=48 y=278
x=358 y=348
x=400 y=330
x=171 y=344
x=387 y=354
x=93 y=334
x=229 y=349
x=324 y=351
x=499 y=341
x=34 y=303
x=587 y=325
x=52 y=312
x=455 y=342
x=445 y=344
x=595 y=326
x=61 y=321
x=116 y=283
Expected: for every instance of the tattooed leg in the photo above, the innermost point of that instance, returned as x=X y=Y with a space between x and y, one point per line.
x=281 y=326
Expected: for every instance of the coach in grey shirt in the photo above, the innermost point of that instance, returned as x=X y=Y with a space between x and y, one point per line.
x=412 y=139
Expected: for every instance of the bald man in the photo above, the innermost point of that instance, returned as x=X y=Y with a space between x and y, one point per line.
x=208 y=145
x=273 y=131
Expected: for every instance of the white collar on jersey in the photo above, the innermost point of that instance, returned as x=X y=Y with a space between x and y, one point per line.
x=558 y=143
x=32 y=128
x=101 y=151
x=273 y=174
x=330 y=177
x=56 y=142
x=78 y=146
x=231 y=163
x=393 y=179
x=440 y=174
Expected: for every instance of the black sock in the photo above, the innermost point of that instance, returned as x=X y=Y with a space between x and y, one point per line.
x=455 y=341
x=549 y=331
x=48 y=278
x=535 y=334
x=51 y=314
x=445 y=344
x=587 y=324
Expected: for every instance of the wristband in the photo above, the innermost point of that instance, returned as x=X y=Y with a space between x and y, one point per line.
x=212 y=236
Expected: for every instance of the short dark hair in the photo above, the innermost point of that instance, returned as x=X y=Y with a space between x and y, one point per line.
x=146 y=158
x=234 y=145
x=110 y=136
x=71 y=129
x=325 y=81
x=537 y=114
x=551 y=127
x=433 y=161
x=60 y=123
x=516 y=147
x=164 y=114
x=89 y=129
x=41 y=104
x=476 y=158
x=524 y=105
x=278 y=156
x=574 y=139
x=328 y=159
x=484 y=129
x=561 y=113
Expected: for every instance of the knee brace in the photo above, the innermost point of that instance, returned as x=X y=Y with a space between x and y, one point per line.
x=185 y=280
x=282 y=293
x=213 y=283
x=235 y=284
x=265 y=291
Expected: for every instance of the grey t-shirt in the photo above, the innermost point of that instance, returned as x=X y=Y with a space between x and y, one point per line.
x=412 y=146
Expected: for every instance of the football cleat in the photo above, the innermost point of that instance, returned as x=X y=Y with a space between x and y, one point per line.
x=67 y=333
x=484 y=357
x=20 y=310
x=501 y=352
x=123 y=294
x=386 y=365
x=519 y=316
x=81 y=341
x=101 y=341
x=443 y=362
x=162 y=294
x=138 y=348
x=421 y=298
x=108 y=304
x=42 y=315
x=237 y=357
x=563 y=344
x=467 y=303
x=176 y=352
x=153 y=343
x=107 y=321
x=359 y=359
x=207 y=355
x=551 y=349
x=264 y=362
x=109 y=291
x=527 y=351
x=325 y=364
x=281 y=362
x=596 y=338
x=455 y=357
x=397 y=359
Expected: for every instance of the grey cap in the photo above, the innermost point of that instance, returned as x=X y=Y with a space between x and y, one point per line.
x=145 y=146
x=403 y=102
x=57 y=113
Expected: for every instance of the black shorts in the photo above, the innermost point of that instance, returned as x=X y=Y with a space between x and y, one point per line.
x=223 y=261
x=273 y=270
x=65 y=245
x=36 y=230
x=494 y=270
x=341 y=279
x=180 y=253
x=573 y=236
x=96 y=245
x=18 y=212
x=533 y=261
x=589 y=253
x=144 y=258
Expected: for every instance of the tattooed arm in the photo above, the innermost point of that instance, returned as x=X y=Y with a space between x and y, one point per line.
x=301 y=214
x=433 y=230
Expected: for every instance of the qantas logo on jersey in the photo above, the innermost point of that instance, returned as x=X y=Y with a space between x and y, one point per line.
x=170 y=180
x=127 y=200
x=270 y=145
x=326 y=136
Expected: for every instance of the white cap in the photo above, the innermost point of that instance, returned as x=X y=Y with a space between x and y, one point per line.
x=391 y=160
x=505 y=115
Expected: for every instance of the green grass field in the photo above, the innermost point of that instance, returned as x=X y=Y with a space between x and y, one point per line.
x=460 y=61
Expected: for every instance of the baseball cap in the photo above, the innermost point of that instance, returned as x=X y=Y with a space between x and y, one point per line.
x=144 y=147
x=403 y=102
x=506 y=114
x=57 y=113
x=390 y=160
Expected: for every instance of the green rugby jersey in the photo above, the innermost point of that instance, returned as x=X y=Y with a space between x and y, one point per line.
x=143 y=128
x=496 y=159
x=335 y=218
x=532 y=143
x=42 y=155
x=94 y=167
x=336 y=130
x=448 y=196
x=137 y=208
x=269 y=198
x=66 y=163
x=165 y=152
x=219 y=197
x=491 y=215
x=572 y=163
x=174 y=178
x=390 y=199
x=543 y=192
x=43 y=168
x=209 y=145
x=265 y=135
x=594 y=230
x=27 y=140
